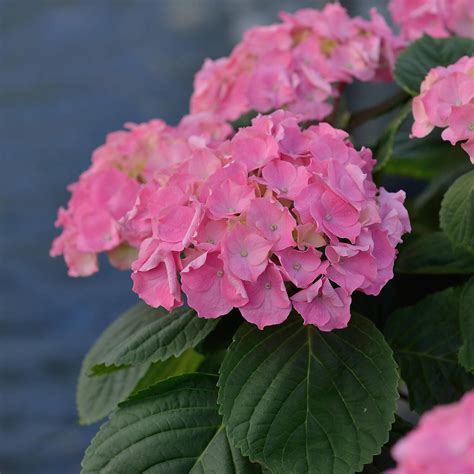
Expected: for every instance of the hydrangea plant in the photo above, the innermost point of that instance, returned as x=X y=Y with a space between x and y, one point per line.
x=294 y=299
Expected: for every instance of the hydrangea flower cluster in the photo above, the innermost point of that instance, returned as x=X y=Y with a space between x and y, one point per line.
x=437 y=18
x=443 y=441
x=273 y=218
x=300 y=65
x=446 y=100
x=108 y=189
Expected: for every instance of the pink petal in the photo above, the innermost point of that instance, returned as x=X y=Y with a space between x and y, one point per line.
x=268 y=300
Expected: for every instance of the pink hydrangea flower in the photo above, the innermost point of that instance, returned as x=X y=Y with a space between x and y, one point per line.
x=443 y=441
x=301 y=64
x=155 y=278
x=245 y=252
x=446 y=100
x=211 y=290
x=237 y=238
x=326 y=307
x=268 y=300
x=437 y=18
x=108 y=190
x=242 y=222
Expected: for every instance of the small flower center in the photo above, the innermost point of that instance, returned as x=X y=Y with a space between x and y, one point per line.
x=328 y=217
x=470 y=127
x=273 y=227
x=220 y=273
x=244 y=253
x=284 y=190
x=210 y=241
x=268 y=285
x=297 y=265
x=231 y=209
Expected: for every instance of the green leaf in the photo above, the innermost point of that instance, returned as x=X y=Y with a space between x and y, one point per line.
x=188 y=362
x=457 y=211
x=384 y=149
x=466 y=314
x=145 y=334
x=300 y=400
x=97 y=396
x=384 y=461
x=434 y=254
x=414 y=63
x=425 y=339
x=426 y=158
x=173 y=426
x=139 y=337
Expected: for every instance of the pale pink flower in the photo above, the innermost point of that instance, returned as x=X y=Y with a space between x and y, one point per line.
x=376 y=241
x=285 y=179
x=210 y=233
x=255 y=146
x=211 y=290
x=228 y=198
x=245 y=252
x=79 y=263
x=268 y=300
x=302 y=267
x=239 y=221
x=441 y=443
x=273 y=221
x=461 y=127
x=156 y=281
x=322 y=305
x=177 y=225
x=447 y=100
x=300 y=64
x=350 y=267
x=111 y=205
x=437 y=18
x=395 y=219
x=336 y=216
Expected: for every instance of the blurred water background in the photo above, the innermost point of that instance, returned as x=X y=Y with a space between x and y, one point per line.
x=71 y=71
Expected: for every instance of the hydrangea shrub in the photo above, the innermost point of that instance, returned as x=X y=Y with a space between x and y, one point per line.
x=296 y=301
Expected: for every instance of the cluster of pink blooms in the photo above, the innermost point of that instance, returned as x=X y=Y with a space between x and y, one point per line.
x=237 y=223
x=437 y=18
x=300 y=65
x=442 y=443
x=446 y=100
x=271 y=208
x=109 y=188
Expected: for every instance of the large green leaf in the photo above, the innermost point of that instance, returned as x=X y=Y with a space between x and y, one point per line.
x=146 y=335
x=466 y=314
x=426 y=158
x=187 y=363
x=173 y=426
x=384 y=461
x=457 y=211
x=414 y=63
x=434 y=254
x=132 y=336
x=425 y=339
x=98 y=395
x=300 y=400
